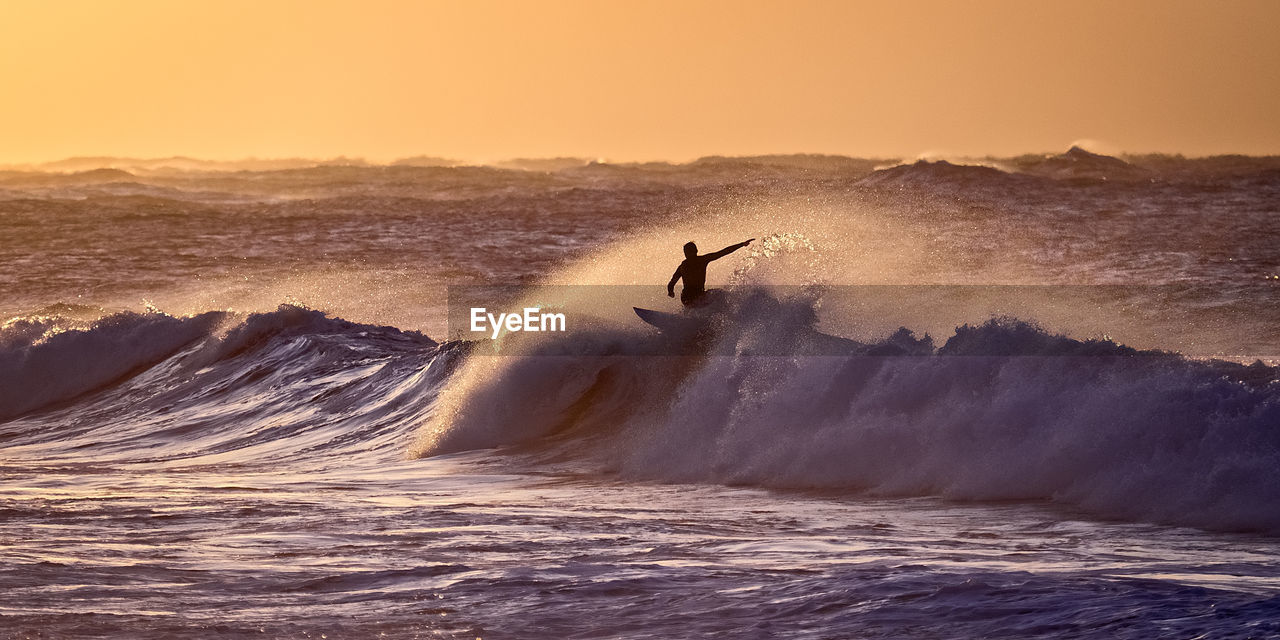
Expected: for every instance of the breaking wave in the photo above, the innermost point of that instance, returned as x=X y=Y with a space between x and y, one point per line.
x=214 y=386
x=1001 y=411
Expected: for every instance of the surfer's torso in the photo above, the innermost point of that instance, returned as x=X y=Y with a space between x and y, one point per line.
x=694 y=273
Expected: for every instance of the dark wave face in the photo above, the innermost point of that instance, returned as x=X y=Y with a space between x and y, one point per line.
x=154 y=388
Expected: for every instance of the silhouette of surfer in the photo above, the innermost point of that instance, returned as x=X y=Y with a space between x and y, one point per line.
x=694 y=272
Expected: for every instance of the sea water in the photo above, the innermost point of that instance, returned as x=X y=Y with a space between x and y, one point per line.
x=231 y=406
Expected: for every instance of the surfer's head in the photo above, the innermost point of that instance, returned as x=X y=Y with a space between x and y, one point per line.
x=690 y=249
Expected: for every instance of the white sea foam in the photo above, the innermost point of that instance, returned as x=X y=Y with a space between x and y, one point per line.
x=1002 y=411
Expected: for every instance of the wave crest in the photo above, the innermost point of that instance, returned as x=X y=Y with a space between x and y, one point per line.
x=1002 y=411
x=218 y=386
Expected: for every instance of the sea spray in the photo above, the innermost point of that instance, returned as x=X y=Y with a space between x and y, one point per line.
x=1002 y=411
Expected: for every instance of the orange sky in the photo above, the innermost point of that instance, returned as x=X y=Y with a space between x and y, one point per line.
x=647 y=79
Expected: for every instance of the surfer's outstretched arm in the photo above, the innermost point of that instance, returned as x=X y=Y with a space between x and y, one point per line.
x=728 y=250
x=671 y=286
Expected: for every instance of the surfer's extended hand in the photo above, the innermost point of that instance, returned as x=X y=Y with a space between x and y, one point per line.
x=748 y=242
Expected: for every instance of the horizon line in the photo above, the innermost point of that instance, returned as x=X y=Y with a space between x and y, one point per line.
x=446 y=162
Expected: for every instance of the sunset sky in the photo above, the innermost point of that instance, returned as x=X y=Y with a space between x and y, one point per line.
x=634 y=80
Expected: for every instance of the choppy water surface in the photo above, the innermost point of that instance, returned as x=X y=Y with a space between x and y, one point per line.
x=444 y=548
x=228 y=407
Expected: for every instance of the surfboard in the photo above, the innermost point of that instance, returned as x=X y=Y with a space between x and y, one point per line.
x=670 y=322
x=811 y=343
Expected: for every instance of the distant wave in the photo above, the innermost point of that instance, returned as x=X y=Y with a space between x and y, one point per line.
x=941 y=173
x=1002 y=411
x=1076 y=165
x=1079 y=164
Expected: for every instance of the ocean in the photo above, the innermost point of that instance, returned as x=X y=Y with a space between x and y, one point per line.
x=1031 y=397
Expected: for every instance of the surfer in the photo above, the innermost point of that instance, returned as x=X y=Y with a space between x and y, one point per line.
x=694 y=272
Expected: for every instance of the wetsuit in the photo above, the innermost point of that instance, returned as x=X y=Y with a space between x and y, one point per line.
x=694 y=272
